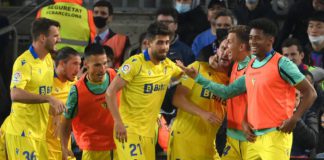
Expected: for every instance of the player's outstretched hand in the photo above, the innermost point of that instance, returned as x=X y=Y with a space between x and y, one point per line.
x=121 y=133
x=288 y=125
x=56 y=106
x=248 y=132
x=211 y=118
x=191 y=72
x=66 y=153
x=213 y=61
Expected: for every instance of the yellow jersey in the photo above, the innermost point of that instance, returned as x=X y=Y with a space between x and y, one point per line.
x=34 y=76
x=142 y=97
x=191 y=126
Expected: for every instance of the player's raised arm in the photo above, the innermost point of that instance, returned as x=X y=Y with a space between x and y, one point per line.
x=111 y=97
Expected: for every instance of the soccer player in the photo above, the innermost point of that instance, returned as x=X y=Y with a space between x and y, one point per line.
x=67 y=65
x=143 y=79
x=200 y=113
x=87 y=111
x=270 y=83
x=238 y=44
x=31 y=87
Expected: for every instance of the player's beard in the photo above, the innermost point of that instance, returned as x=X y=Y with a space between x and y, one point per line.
x=159 y=57
x=50 y=48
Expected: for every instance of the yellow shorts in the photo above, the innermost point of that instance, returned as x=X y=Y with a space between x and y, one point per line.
x=137 y=147
x=234 y=149
x=93 y=155
x=3 y=154
x=182 y=148
x=22 y=148
x=270 y=146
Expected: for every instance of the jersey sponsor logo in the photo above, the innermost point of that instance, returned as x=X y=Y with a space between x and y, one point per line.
x=150 y=88
x=205 y=93
x=16 y=77
x=45 y=90
x=253 y=81
x=126 y=68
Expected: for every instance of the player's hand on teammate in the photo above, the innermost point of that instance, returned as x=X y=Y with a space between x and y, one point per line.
x=66 y=154
x=288 y=125
x=56 y=106
x=248 y=132
x=121 y=133
x=191 y=72
x=211 y=118
x=213 y=61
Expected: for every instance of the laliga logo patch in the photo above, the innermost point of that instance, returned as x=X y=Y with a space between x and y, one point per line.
x=16 y=77
x=126 y=68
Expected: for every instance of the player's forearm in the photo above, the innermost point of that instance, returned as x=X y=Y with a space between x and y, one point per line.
x=65 y=132
x=19 y=95
x=309 y=97
x=182 y=102
x=225 y=92
x=111 y=99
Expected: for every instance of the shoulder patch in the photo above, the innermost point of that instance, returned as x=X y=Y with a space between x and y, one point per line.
x=126 y=68
x=16 y=77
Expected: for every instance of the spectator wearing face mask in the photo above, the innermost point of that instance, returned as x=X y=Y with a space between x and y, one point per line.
x=315 y=33
x=192 y=20
x=219 y=24
x=103 y=14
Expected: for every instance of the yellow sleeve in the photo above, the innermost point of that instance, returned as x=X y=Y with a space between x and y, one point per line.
x=21 y=74
x=187 y=81
x=177 y=70
x=130 y=68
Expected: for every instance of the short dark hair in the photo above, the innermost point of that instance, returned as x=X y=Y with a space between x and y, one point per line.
x=167 y=11
x=216 y=2
x=103 y=3
x=292 y=41
x=242 y=32
x=109 y=52
x=64 y=54
x=157 y=28
x=267 y=26
x=226 y=13
x=42 y=26
x=317 y=16
x=93 y=49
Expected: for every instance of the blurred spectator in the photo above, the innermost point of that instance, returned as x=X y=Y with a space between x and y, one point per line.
x=315 y=33
x=214 y=7
x=110 y=56
x=103 y=14
x=296 y=22
x=178 y=51
x=142 y=45
x=292 y=49
x=192 y=20
x=252 y=9
x=219 y=25
x=305 y=134
x=69 y=13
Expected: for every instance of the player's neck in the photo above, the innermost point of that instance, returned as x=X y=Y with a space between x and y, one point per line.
x=243 y=55
x=100 y=30
x=40 y=50
x=59 y=75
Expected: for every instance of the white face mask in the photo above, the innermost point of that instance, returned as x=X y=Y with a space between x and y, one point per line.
x=316 y=40
x=182 y=8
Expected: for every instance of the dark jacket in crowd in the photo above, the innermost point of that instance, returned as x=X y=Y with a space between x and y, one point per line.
x=305 y=134
x=263 y=10
x=191 y=23
x=296 y=23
